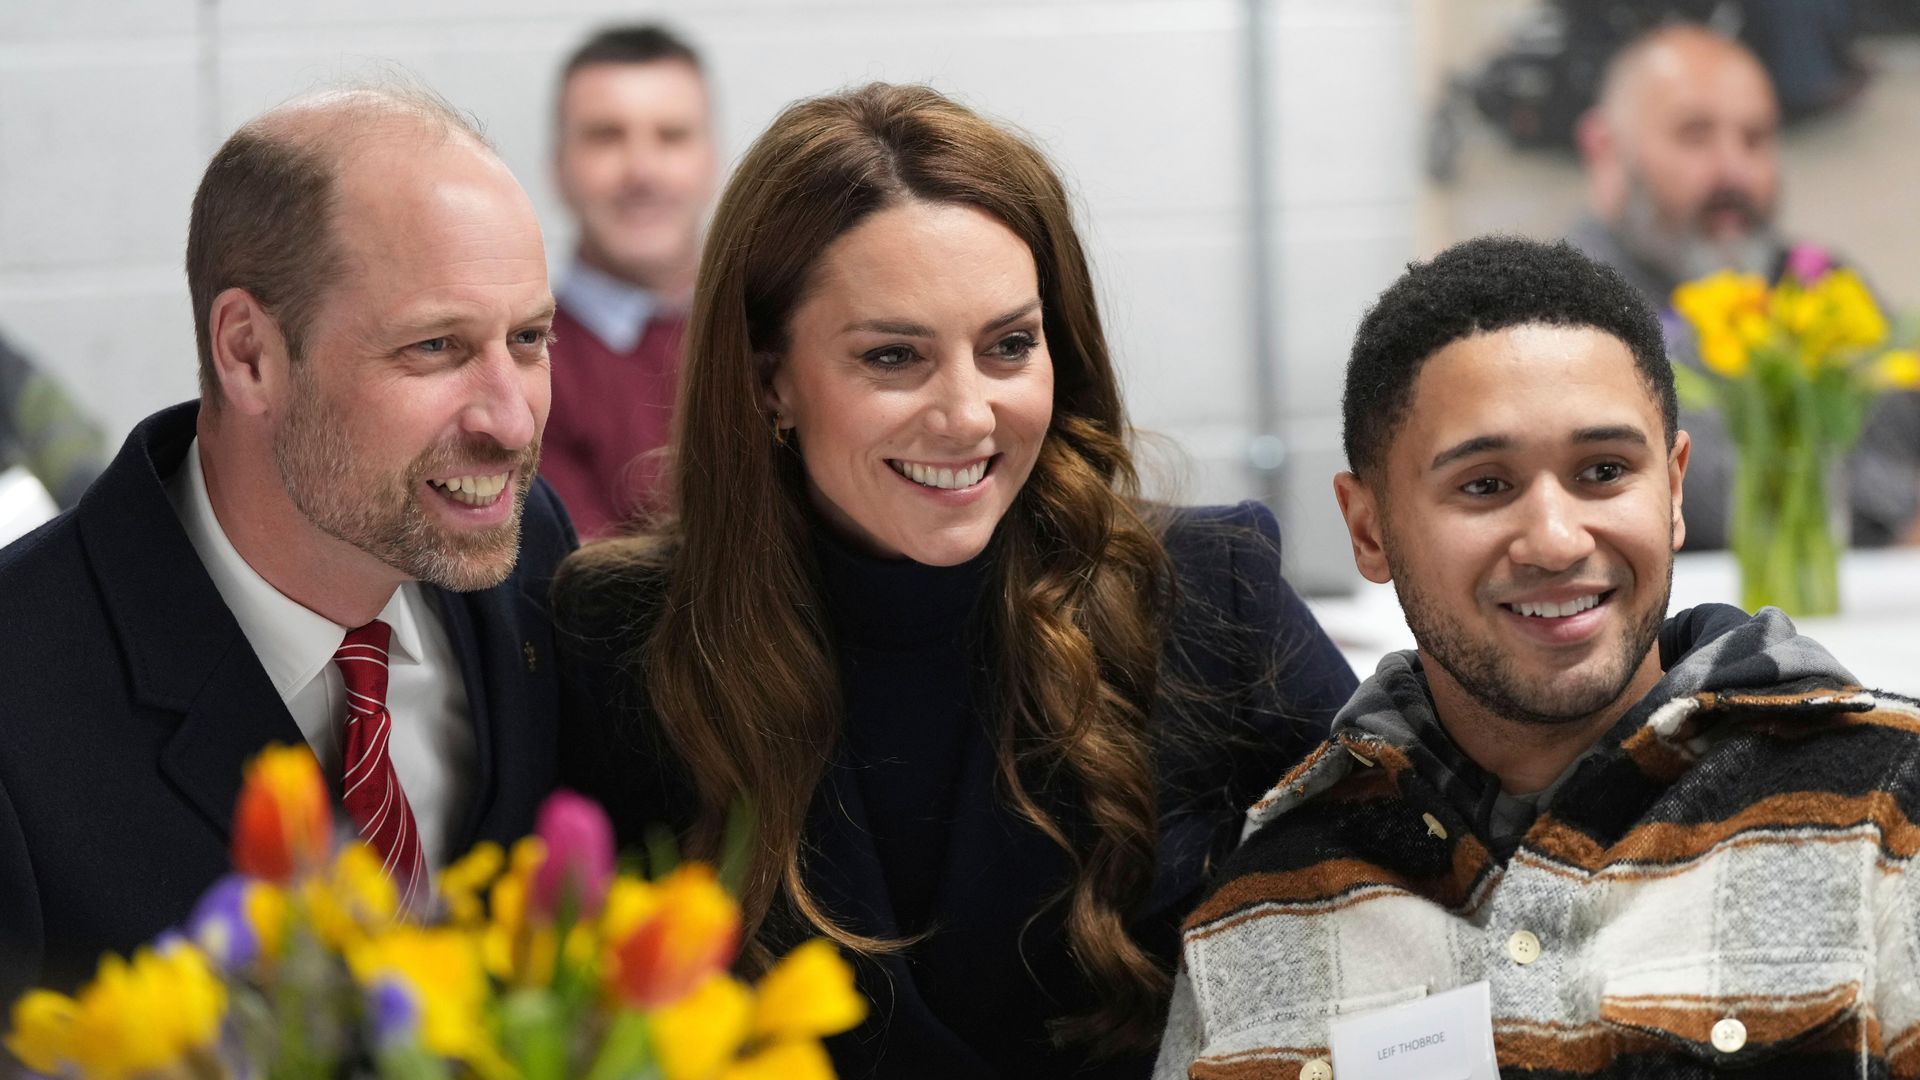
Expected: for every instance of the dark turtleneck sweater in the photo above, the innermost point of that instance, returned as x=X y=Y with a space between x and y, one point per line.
x=908 y=668
x=910 y=832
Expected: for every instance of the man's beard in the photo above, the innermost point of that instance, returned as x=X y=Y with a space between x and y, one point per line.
x=1488 y=674
x=1685 y=250
x=380 y=513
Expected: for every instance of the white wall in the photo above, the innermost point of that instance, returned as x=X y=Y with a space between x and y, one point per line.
x=109 y=109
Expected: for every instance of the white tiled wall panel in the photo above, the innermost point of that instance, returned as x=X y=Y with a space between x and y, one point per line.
x=97 y=158
x=41 y=21
x=109 y=108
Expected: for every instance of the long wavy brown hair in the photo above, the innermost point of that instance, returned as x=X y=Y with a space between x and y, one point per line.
x=739 y=668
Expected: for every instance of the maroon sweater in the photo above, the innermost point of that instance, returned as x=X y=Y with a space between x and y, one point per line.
x=610 y=410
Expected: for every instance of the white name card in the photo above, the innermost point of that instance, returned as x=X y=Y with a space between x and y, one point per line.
x=1443 y=1037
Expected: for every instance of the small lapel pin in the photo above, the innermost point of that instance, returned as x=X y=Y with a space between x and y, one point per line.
x=533 y=659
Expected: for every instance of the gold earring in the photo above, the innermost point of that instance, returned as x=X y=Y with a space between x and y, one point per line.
x=779 y=432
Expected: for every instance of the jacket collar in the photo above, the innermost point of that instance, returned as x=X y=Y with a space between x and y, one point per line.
x=1715 y=656
x=184 y=653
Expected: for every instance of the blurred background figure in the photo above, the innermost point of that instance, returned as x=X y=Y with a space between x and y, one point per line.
x=1683 y=174
x=635 y=164
x=50 y=448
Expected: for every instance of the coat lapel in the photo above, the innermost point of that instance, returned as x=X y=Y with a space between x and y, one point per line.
x=483 y=691
x=184 y=652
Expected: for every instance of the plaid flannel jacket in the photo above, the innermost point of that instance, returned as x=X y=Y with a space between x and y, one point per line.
x=1740 y=849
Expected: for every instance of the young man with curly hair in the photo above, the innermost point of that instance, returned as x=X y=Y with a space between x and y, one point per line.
x=1667 y=845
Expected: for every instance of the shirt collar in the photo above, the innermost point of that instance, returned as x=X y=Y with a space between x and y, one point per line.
x=613 y=310
x=294 y=643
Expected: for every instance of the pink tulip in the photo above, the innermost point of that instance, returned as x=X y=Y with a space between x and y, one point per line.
x=579 y=862
x=1808 y=263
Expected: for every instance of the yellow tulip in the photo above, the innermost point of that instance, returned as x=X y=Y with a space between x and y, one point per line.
x=809 y=994
x=1898 y=370
x=784 y=1061
x=691 y=934
x=698 y=1034
x=42 y=1033
x=630 y=901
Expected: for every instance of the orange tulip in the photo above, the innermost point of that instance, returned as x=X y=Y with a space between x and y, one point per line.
x=690 y=934
x=282 y=826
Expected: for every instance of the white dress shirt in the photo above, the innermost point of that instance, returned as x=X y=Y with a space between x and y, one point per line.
x=432 y=742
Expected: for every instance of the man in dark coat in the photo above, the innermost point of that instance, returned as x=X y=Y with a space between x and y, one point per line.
x=342 y=544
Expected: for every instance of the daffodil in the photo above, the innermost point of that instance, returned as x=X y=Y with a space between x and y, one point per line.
x=353 y=900
x=699 y=1034
x=1725 y=354
x=1898 y=370
x=515 y=947
x=783 y=1061
x=1715 y=304
x=441 y=967
x=136 y=1017
x=462 y=883
x=809 y=994
x=1857 y=321
x=41 y=1036
x=265 y=908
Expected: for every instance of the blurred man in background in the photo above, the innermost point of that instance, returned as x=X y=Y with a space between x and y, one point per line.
x=1682 y=164
x=635 y=162
x=1683 y=171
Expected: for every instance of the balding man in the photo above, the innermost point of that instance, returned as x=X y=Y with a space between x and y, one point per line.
x=341 y=544
x=1683 y=173
x=1682 y=169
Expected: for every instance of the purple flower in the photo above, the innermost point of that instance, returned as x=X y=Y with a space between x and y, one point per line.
x=579 y=862
x=394 y=1012
x=219 y=924
x=1808 y=263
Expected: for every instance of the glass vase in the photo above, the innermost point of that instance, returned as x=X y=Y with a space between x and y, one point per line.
x=1788 y=516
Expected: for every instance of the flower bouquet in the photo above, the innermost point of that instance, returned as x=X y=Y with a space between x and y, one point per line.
x=1792 y=369
x=538 y=963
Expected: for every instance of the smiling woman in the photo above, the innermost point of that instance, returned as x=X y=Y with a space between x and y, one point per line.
x=991 y=715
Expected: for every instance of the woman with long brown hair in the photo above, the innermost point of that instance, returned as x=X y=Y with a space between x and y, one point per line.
x=989 y=714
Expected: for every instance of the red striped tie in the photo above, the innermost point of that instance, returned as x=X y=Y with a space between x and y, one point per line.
x=369 y=788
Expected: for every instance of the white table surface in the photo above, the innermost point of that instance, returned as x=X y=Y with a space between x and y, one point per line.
x=1876 y=635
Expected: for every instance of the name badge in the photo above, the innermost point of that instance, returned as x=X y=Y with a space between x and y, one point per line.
x=1443 y=1037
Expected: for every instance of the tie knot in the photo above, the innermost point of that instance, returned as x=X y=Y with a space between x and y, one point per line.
x=362 y=660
